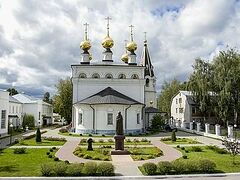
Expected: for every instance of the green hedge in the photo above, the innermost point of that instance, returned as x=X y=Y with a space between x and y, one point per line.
x=180 y=167
x=87 y=169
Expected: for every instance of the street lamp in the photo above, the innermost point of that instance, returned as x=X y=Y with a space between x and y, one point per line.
x=11 y=131
x=39 y=123
x=235 y=131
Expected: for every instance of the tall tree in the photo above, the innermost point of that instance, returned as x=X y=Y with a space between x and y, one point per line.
x=46 y=98
x=226 y=78
x=200 y=84
x=169 y=89
x=12 y=91
x=62 y=101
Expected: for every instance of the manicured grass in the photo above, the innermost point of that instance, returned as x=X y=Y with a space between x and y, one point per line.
x=97 y=153
x=23 y=164
x=180 y=141
x=32 y=142
x=145 y=153
x=223 y=161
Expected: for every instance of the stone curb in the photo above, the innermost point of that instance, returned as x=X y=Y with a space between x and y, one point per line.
x=132 y=177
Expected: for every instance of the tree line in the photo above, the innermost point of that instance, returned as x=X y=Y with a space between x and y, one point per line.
x=215 y=86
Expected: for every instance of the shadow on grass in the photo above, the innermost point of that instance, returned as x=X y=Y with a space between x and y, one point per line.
x=8 y=168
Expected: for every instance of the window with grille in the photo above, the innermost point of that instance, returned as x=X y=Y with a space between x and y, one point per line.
x=138 y=118
x=110 y=118
x=3 y=119
x=80 y=118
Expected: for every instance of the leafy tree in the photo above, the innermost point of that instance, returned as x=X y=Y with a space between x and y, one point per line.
x=28 y=120
x=169 y=89
x=62 y=101
x=174 y=138
x=158 y=122
x=38 y=136
x=200 y=84
x=12 y=91
x=226 y=76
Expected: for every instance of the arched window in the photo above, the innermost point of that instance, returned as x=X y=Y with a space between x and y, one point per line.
x=147 y=82
x=135 y=76
x=82 y=75
x=109 y=76
x=121 y=76
x=96 y=76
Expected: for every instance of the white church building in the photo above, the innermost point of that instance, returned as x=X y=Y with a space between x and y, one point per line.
x=101 y=90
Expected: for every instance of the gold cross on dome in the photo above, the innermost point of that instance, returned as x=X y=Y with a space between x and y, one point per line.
x=131 y=32
x=108 y=20
x=86 y=28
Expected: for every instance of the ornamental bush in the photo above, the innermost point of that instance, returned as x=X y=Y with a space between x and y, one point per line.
x=179 y=166
x=105 y=169
x=47 y=169
x=192 y=166
x=19 y=151
x=90 y=168
x=196 y=149
x=217 y=149
x=28 y=120
x=173 y=136
x=206 y=166
x=150 y=168
x=60 y=169
x=38 y=136
x=63 y=130
x=50 y=156
x=56 y=159
x=164 y=167
x=75 y=169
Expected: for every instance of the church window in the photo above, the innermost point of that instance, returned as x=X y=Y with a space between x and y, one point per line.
x=138 y=118
x=147 y=82
x=82 y=75
x=122 y=76
x=180 y=100
x=180 y=110
x=96 y=76
x=3 y=119
x=108 y=76
x=110 y=118
x=80 y=118
x=176 y=110
x=135 y=76
x=176 y=101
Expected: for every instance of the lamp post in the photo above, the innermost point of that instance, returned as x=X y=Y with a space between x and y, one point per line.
x=235 y=131
x=11 y=131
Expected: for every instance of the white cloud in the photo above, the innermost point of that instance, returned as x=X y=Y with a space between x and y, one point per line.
x=39 y=40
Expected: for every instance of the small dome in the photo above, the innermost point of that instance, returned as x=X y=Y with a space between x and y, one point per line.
x=124 y=58
x=131 y=46
x=85 y=45
x=107 y=42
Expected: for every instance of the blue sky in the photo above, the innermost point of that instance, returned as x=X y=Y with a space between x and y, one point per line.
x=39 y=40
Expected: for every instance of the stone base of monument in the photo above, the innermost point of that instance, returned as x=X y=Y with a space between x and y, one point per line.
x=119 y=146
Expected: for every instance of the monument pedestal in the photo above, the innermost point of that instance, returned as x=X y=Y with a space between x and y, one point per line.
x=119 y=146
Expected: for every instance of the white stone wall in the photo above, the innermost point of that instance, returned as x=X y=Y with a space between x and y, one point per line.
x=100 y=125
x=4 y=105
x=15 y=109
x=150 y=92
x=85 y=87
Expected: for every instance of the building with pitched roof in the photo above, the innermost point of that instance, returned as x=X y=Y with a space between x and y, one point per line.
x=101 y=90
x=4 y=103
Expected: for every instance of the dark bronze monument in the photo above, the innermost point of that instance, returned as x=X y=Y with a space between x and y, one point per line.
x=119 y=137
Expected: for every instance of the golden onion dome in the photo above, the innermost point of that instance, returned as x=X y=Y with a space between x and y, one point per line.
x=85 y=45
x=131 y=46
x=107 y=42
x=124 y=58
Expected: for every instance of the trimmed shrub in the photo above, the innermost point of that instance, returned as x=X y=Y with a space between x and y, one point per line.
x=106 y=159
x=182 y=148
x=66 y=162
x=63 y=130
x=192 y=166
x=90 y=168
x=128 y=140
x=135 y=140
x=54 y=148
x=47 y=169
x=51 y=150
x=110 y=140
x=28 y=120
x=130 y=134
x=217 y=149
x=179 y=166
x=54 y=139
x=86 y=156
x=144 y=140
x=164 y=167
x=186 y=151
x=178 y=146
x=38 y=136
x=83 y=141
x=105 y=169
x=206 y=166
x=19 y=151
x=100 y=140
x=49 y=156
x=166 y=139
x=150 y=168
x=56 y=159
x=173 y=136
x=90 y=135
x=60 y=169
x=184 y=156
x=105 y=152
x=103 y=135
x=75 y=169
x=196 y=149
x=80 y=134
x=47 y=153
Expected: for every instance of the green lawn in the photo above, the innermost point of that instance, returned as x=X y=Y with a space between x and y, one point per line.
x=145 y=153
x=23 y=164
x=223 y=161
x=32 y=142
x=97 y=153
x=180 y=141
